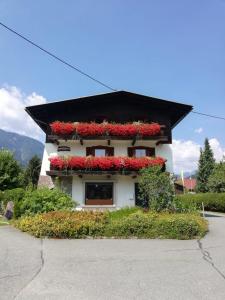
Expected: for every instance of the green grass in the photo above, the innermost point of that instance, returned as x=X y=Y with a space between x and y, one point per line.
x=123 y=212
x=3 y=221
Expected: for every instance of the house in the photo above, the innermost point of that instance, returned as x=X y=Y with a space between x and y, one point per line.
x=96 y=145
x=187 y=185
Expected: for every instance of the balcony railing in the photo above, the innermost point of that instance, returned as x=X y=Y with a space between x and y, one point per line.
x=67 y=166
x=107 y=131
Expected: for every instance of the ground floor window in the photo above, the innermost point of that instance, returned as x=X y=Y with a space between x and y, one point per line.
x=99 y=193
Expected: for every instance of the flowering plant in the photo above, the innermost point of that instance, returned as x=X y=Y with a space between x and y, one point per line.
x=104 y=163
x=111 y=129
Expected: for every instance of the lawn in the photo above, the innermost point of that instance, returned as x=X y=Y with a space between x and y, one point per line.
x=3 y=221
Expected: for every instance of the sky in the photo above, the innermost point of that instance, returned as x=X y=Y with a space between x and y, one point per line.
x=168 y=49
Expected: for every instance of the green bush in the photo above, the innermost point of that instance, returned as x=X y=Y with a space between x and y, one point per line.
x=216 y=181
x=16 y=195
x=157 y=188
x=180 y=206
x=212 y=201
x=100 y=224
x=44 y=200
x=64 y=224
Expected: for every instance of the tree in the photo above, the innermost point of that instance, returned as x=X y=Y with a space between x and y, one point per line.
x=157 y=187
x=205 y=167
x=10 y=171
x=216 y=182
x=32 y=171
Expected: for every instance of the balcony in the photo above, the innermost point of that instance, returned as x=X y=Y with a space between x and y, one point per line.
x=106 y=131
x=110 y=165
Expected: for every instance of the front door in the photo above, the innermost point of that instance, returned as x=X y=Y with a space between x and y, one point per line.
x=138 y=200
x=99 y=193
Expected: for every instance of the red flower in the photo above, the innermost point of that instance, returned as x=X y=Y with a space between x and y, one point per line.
x=105 y=163
x=90 y=129
x=76 y=162
x=57 y=163
x=95 y=129
x=62 y=128
x=149 y=129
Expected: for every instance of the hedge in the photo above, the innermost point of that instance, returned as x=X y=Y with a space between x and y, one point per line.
x=212 y=201
x=99 y=224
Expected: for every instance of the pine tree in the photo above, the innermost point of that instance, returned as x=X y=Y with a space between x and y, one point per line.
x=205 y=167
x=32 y=171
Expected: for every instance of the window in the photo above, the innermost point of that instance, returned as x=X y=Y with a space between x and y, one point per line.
x=140 y=151
x=99 y=193
x=100 y=151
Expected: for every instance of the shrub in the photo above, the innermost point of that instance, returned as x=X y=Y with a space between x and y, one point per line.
x=16 y=195
x=180 y=206
x=98 y=224
x=216 y=181
x=45 y=200
x=64 y=224
x=157 y=188
x=211 y=201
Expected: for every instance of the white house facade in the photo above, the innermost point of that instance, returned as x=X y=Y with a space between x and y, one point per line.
x=95 y=146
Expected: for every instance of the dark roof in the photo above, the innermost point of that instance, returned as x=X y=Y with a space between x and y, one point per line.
x=116 y=106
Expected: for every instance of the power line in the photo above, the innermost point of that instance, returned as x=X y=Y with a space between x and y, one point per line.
x=57 y=58
x=206 y=115
x=80 y=71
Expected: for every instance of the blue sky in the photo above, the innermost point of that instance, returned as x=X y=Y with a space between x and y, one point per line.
x=169 y=49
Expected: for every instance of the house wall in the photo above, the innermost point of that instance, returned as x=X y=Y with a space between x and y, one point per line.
x=124 y=191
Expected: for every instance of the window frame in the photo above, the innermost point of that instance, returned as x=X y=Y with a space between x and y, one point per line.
x=150 y=151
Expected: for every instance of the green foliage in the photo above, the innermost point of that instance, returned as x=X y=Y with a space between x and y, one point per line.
x=100 y=224
x=32 y=171
x=205 y=167
x=216 y=182
x=15 y=195
x=180 y=206
x=123 y=212
x=212 y=201
x=157 y=187
x=10 y=171
x=45 y=200
x=64 y=224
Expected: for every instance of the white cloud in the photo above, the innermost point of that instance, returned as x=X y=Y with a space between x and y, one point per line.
x=12 y=114
x=199 y=130
x=186 y=154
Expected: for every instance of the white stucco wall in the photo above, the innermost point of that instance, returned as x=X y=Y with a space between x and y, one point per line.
x=165 y=151
x=124 y=189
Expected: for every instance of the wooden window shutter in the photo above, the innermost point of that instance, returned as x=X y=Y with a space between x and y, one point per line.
x=109 y=151
x=89 y=151
x=130 y=151
x=150 y=151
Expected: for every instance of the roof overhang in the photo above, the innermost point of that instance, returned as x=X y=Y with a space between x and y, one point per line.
x=120 y=106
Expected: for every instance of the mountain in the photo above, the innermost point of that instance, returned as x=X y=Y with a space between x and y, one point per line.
x=22 y=146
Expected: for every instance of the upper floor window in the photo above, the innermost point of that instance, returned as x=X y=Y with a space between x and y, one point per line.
x=100 y=151
x=140 y=151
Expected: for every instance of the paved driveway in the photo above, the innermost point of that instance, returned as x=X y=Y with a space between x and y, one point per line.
x=113 y=269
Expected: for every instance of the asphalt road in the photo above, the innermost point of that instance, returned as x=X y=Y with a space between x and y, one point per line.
x=33 y=269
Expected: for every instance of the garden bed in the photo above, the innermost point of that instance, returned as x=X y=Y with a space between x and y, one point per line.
x=125 y=223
